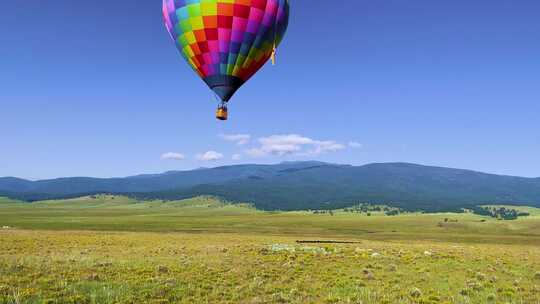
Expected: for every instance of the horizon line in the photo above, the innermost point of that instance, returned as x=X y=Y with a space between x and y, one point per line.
x=256 y=164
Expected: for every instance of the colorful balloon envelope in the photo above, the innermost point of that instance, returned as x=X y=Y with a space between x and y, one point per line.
x=226 y=41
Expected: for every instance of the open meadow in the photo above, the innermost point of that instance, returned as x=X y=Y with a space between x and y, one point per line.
x=112 y=249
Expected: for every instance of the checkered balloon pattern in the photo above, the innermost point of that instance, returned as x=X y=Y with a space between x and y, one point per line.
x=226 y=41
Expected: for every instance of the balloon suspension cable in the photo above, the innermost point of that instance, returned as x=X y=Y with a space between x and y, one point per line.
x=216 y=97
x=222 y=104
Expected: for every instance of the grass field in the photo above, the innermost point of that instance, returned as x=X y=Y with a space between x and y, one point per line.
x=116 y=250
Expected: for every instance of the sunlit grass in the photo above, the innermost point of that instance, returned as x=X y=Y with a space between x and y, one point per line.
x=106 y=267
x=117 y=250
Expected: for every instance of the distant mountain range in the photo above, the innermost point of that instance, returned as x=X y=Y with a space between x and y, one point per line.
x=302 y=185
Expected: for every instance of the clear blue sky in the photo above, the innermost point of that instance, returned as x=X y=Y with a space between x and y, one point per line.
x=96 y=88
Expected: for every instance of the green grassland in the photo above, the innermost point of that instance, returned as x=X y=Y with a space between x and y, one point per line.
x=113 y=249
x=207 y=214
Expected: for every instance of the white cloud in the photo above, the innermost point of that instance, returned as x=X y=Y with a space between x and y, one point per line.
x=237 y=157
x=280 y=145
x=210 y=156
x=172 y=156
x=239 y=139
x=322 y=147
x=356 y=145
x=293 y=144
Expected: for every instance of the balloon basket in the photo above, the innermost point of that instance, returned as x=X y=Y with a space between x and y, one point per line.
x=222 y=113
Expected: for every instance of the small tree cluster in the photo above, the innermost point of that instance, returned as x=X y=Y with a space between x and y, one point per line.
x=368 y=208
x=330 y=212
x=502 y=213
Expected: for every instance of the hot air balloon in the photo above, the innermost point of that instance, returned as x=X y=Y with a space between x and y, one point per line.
x=226 y=41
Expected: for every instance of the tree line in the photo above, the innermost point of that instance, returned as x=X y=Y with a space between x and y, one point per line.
x=502 y=213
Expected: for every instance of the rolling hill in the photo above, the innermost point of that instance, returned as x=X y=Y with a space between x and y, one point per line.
x=303 y=185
